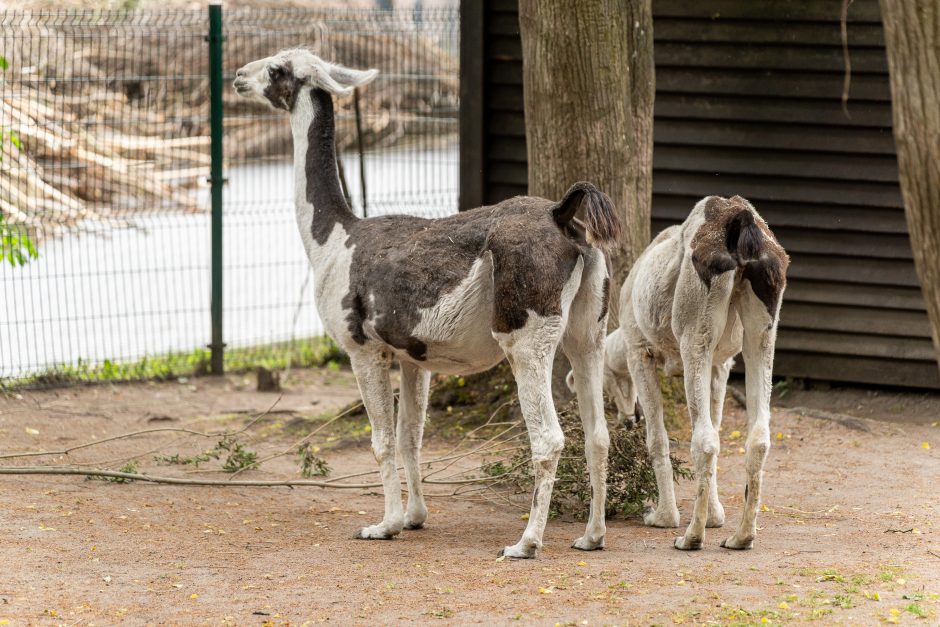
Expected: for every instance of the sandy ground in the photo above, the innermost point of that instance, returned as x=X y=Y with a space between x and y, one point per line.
x=850 y=534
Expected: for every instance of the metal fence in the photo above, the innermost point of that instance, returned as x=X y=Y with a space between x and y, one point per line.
x=111 y=179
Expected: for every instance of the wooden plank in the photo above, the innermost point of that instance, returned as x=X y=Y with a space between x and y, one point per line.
x=504 y=48
x=667 y=29
x=472 y=166
x=873 y=296
x=858 y=272
x=861 y=11
x=770 y=135
x=854 y=369
x=504 y=6
x=501 y=98
x=817 y=216
x=846 y=243
x=842 y=243
x=816 y=165
x=497 y=191
x=844 y=319
x=506 y=124
x=505 y=24
x=505 y=72
x=791 y=84
x=511 y=149
x=771 y=109
x=764 y=57
x=835 y=343
x=761 y=188
x=505 y=172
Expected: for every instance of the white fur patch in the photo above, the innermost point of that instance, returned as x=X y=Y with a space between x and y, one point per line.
x=457 y=329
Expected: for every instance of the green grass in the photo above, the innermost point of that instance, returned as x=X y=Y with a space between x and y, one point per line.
x=309 y=352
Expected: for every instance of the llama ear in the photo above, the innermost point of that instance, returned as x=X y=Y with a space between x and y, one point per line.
x=350 y=78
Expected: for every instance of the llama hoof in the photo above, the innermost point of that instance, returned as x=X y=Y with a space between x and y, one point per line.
x=416 y=520
x=735 y=545
x=688 y=545
x=376 y=532
x=716 y=515
x=517 y=552
x=584 y=543
x=661 y=518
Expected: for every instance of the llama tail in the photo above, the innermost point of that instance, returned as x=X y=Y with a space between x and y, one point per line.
x=744 y=238
x=601 y=222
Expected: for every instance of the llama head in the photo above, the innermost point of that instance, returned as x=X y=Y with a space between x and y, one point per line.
x=279 y=79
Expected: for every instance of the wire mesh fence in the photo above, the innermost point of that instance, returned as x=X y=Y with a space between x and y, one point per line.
x=108 y=175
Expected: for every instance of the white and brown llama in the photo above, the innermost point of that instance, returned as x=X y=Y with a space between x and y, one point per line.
x=454 y=295
x=701 y=292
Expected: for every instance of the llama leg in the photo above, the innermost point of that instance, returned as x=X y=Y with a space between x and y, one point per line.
x=705 y=443
x=530 y=351
x=760 y=332
x=646 y=380
x=371 y=372
x=584 y=345
x=412 y=409
x=588 y=373
x=716 y=513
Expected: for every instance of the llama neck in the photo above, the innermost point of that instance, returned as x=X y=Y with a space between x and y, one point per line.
x=318 y=197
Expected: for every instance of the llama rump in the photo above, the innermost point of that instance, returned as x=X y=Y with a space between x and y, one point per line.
x=454 y=295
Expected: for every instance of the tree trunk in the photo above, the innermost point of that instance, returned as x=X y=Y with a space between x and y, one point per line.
x=912 y=39
x=589 y=83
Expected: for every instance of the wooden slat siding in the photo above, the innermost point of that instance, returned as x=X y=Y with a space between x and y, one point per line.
x=472 y=136
x=506 y=171
x=813 y=217
x=846 y=243
x=748 y=101
x=747 y=31
x=917 y=349
x=775 y=11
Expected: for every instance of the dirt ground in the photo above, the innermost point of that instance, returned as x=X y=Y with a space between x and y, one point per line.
x=849 y=533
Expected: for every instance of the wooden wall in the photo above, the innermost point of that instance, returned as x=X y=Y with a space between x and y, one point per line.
x=748 y=101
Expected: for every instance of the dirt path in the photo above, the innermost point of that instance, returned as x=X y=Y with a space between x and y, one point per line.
x=851 y=533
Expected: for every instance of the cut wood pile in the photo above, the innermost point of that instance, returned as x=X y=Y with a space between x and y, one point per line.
x=111 y=108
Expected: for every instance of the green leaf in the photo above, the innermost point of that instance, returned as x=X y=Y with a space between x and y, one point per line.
x=4 y=64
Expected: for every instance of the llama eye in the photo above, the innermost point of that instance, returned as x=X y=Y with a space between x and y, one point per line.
x=276 y=72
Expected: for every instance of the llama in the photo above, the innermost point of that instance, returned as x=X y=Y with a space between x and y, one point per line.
x=698 y=294
x=454 y=295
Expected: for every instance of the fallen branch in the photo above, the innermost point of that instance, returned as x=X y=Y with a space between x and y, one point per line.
x=132 y=434
x=244 y=483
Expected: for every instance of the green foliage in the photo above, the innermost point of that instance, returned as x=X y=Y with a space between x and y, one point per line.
x=308 y=353
x=311 y=464
x=16 y=247
x=237 y=456
x=917 y=610
x=631 y=481
x=195 y=460
x=130 y=467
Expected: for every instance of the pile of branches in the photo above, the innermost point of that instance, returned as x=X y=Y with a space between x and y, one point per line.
x=111 y=108
x=459 y=404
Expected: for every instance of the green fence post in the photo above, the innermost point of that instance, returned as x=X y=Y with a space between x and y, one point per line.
x=216 y=181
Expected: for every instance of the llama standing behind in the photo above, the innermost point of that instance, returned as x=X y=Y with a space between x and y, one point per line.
x=454 y=295
x=700 y=292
